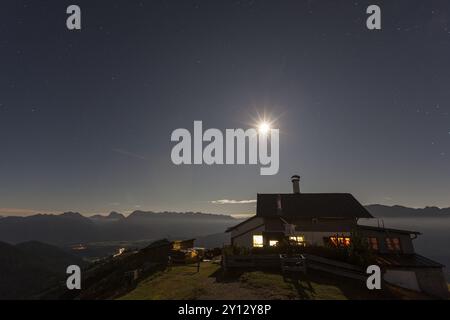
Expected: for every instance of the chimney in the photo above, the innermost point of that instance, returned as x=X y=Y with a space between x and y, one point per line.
x=295 y=183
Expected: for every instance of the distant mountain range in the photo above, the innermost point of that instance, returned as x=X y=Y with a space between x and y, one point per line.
x=382 y=211
x=73 y=228
x=113 y=216
x=29 y=268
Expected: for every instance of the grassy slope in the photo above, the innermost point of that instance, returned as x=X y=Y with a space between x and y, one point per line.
x=183 y=282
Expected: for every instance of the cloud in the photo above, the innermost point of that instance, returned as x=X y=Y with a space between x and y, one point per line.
x=226 y=201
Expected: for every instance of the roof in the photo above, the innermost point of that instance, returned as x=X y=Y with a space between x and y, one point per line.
x=406 y=261
x=371 y=228
x=239 y=224
x=158 y=244
x=310 y=205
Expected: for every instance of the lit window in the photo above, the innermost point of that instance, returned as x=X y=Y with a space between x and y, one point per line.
x=340 y=241
x=273 y=243
x=258 y=241
x=373 y=243
x=393 y=244
x=297 y=239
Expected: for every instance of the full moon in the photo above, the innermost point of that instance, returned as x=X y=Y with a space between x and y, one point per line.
x=264 y=128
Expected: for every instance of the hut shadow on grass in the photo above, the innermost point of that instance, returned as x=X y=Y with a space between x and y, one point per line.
x=222 y=276
x=301 y=284
x=314 y=284
x=267 y=280
x=349 y=288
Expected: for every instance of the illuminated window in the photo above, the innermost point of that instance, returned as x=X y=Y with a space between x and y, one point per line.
x=373 y=243
x=258 y=241
x=340 y=241
x=393 y=244
x=300 y=240
x=273 y=243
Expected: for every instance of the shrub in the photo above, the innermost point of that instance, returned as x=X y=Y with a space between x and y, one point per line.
x=359 y=252
x=236 y=250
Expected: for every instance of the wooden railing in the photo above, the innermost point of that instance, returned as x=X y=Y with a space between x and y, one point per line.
x=297 y=263
x=251 y=261
x=335 y=267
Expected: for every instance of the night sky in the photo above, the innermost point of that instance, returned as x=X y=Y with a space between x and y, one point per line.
x=86 y=116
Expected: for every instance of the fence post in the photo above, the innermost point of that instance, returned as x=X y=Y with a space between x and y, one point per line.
x=224 y=262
